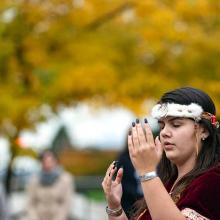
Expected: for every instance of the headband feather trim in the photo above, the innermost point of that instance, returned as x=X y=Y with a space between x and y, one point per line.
x=172 y=109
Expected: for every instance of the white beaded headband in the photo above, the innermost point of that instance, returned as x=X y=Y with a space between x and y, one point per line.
x=193 y=111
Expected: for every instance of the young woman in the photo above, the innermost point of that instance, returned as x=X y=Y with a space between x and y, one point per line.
x=186 y=156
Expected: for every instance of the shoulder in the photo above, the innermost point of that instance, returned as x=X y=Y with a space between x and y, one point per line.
x=203 y=194
x=33 y=180
x=66 y=177
x=209 y=182
x=214 y=171
x=32 y=183
x=209 y=178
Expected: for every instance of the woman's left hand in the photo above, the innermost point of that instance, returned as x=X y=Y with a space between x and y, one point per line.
x=145 y=153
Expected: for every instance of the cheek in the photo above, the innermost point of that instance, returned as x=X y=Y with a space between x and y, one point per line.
x=186 y=140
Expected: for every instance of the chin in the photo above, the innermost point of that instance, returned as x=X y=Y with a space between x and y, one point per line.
x=171 y=157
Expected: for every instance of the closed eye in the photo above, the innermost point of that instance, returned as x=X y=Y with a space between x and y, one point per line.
x=176 y=125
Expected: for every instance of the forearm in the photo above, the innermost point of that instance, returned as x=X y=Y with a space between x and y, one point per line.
x=159 y=202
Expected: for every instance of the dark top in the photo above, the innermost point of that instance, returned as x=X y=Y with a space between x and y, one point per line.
x=130 y=184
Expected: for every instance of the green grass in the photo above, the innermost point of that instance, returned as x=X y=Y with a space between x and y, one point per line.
x=96 y=195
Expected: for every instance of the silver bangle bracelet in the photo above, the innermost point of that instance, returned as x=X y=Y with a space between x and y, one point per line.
x=114 y=212
x=148 y=176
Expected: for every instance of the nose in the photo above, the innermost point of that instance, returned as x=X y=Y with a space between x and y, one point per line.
x=165 y=132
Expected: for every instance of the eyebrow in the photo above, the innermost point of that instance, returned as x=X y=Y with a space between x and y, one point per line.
x=171 y=119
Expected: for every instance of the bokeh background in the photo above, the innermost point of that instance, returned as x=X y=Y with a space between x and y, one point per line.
x=75 y=73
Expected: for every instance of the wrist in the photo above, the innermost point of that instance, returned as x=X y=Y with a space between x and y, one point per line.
x=114 y=206
x=148 y=176
x=114 y=212
x=148 y=170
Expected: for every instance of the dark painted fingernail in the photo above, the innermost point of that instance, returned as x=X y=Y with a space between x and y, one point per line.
x=145 y=121
x=133 y=124
x=129 y=133
x=115 y=162
x=109 y=174
x=114 y=167
x=137 y=121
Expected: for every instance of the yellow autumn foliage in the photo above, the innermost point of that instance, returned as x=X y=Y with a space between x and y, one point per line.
x=114 y=52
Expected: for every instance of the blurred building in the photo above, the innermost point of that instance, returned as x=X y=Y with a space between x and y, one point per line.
x=61 y=141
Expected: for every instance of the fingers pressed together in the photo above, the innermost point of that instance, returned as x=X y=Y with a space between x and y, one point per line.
x=145 y=152
x=140 y=136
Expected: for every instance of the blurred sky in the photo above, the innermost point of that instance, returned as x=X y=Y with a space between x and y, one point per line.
x=102 y=128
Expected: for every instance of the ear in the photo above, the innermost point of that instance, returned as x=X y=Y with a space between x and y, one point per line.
x=204 y=133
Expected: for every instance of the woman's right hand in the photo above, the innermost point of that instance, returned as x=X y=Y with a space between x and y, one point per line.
x=113 y=188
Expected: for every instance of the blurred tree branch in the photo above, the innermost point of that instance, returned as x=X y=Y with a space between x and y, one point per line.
x=109 y=15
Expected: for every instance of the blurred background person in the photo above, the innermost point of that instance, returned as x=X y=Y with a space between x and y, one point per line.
x=130 y=184
x=49 y=193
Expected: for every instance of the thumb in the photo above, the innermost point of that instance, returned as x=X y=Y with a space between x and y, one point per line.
x=119 y=175
x=159 y=147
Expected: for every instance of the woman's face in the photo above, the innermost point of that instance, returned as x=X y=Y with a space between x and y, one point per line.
x=178 y=138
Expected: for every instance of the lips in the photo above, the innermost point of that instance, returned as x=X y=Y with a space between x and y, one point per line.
x=168 y=145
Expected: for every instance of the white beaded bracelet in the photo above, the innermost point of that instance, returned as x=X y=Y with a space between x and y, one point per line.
x=148 y=176
x=114 y=212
